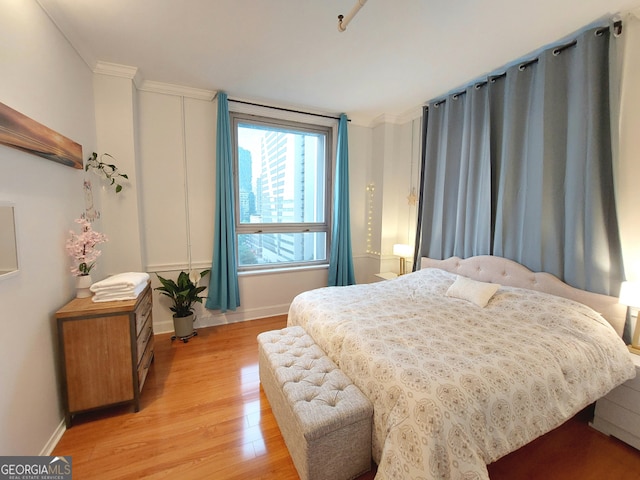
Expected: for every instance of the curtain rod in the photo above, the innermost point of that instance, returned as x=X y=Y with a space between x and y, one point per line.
x=617 y=31
x=285 y=109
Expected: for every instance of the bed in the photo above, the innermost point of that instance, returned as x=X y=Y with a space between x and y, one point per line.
x=456 y=385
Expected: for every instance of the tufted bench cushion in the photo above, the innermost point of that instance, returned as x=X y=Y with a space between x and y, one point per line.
x=324 y=418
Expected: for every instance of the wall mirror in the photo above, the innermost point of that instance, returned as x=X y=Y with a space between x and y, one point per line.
x=8 y=242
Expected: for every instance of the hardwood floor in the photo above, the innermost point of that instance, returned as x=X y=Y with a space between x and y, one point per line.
x=204 y=416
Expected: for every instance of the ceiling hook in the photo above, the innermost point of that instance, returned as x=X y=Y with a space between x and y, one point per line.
x=344 y=21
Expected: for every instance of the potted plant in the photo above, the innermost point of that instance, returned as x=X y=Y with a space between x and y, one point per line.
x=184 y=293
x=82 y=248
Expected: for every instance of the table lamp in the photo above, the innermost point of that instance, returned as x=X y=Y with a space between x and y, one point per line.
x=630 y=296
x=403 y=251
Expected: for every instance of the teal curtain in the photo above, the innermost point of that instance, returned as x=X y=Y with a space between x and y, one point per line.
x=340 y=260
x=223 y=284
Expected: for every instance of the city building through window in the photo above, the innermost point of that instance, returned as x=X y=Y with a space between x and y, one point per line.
x=282 y=185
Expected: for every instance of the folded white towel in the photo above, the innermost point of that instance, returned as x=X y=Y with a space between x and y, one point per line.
x=115 y=291
x=125 y=294
x=120 y=280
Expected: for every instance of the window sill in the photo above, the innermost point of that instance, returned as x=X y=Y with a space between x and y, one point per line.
x=274 y=271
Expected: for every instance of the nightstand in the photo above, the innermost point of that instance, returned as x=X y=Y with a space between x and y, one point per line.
x=618 y=413
x=386 y=275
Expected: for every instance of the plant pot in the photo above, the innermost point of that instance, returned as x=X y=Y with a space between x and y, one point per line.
x=183 y=326
x=83 y=282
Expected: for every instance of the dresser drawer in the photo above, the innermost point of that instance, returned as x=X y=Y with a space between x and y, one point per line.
x=625 y=397
x=143 y=368
x=143 y=312
x=634 y=383
x=144 y=337
x=616 y=415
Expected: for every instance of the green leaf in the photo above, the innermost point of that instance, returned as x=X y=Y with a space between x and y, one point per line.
x=169 y=285
x=183 y=292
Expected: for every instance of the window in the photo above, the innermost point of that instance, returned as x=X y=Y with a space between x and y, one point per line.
x=282 y=187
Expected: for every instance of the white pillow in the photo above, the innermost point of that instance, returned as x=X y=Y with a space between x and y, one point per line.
x=473 y=291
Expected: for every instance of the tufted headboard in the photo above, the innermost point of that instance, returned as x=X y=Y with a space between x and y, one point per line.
x=488 y=268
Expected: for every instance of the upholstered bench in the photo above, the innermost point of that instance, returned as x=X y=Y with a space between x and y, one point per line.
x=324 y=418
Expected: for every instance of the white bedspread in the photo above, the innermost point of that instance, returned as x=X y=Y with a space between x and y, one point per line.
x=455 y=386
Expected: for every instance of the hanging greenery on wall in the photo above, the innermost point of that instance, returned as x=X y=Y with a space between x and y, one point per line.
x=106 y=170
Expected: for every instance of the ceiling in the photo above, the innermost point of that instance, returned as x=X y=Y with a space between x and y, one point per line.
x=394 y=56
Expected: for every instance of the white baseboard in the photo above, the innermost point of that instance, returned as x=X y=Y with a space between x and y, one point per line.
x=210 y=319
x=53 y=441
x=162 y=327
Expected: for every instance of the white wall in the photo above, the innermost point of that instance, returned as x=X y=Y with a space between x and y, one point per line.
x=43 y=78
x=115 y=104
x=360 y=155
x=177 y=166
x=628 y=165
x=393 y=173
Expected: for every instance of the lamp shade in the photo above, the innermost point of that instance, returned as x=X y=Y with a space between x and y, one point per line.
x=402 y=250
x=630 y=294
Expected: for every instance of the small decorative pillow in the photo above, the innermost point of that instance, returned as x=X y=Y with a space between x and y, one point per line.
x=473 y=291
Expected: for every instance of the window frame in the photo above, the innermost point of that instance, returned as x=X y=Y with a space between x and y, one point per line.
x=301 y=123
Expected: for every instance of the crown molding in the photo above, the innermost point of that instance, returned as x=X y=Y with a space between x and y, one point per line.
x=117 y=70
x=178 y=90
x=133 y=73
x=383 y=119
x=411 y=114
x=401 y=119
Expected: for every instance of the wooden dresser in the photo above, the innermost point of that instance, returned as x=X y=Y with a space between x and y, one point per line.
x=618 y=412
x=106 y=350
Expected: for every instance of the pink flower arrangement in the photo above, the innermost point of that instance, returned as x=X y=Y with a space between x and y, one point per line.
x=82 y=247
